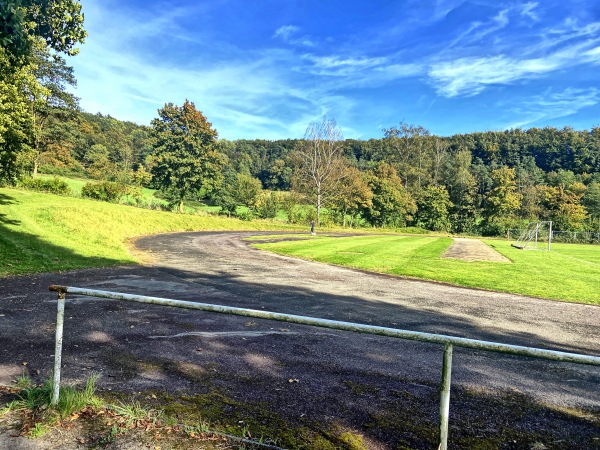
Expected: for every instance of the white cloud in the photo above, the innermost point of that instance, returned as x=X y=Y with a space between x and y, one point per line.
x=335 y=62
x=553 y=105
x=527 y=11
x=471 y=75
x=286 y=31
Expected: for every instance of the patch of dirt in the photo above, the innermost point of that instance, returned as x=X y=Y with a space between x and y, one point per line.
x=473 y=250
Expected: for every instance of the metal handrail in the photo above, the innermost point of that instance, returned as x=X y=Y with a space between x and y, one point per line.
x=447 y=341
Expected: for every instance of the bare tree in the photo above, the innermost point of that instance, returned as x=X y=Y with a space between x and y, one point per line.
x=319 y=162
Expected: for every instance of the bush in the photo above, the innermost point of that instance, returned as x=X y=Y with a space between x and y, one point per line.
x=246 y=214
x=74 y=170
x=267 y=206
x=50 y=185
x=107 y=191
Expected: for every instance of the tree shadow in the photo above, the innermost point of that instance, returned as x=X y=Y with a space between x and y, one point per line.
x=23 y=252
x=6 y=199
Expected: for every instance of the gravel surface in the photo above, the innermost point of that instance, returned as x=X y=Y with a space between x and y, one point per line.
x=301 y=372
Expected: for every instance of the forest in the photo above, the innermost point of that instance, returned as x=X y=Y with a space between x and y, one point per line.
x=479 y=183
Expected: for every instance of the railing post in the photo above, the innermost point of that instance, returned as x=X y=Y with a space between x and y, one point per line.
x=60 y=318
x=445 y=396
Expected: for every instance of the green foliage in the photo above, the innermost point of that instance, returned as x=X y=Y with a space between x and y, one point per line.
x=503 y=200
x=434 y=209
x=591 y=200
x=392 y=204
x=185 y=160
x=107 y=191
x=59 y=23
x=246 y=190
x=290 y=202
x=267 y=206
x=51 y=185
x=16 y=123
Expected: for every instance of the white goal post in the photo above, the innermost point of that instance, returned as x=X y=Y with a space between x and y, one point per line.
x=534 y=233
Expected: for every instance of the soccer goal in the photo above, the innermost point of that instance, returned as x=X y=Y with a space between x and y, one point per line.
x=535 y=235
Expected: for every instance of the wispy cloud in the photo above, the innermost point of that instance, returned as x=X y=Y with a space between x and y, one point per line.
x=470 y=76
x=255 y=76
x=286 y=31
x=551 y=105
x=290 y=35
x=527 y=10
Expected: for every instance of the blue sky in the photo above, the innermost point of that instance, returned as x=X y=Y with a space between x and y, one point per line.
x=266 y=68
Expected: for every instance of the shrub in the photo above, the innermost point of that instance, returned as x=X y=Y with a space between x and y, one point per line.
x=267 y=206
x=52 y=185
x=107 y=191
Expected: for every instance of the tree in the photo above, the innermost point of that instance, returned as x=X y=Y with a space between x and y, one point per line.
x=319 y=162
x=185 y=161
x=392 y=204
x=15 y=120
x=59 y=23
x=49 y=100
x=434 y=209
x=591 y=200
x=24 y=26
x=563 y=207
x=462 y=187
x=246 y=190
x=411 y=153
x=352 y=194
x=504 y=199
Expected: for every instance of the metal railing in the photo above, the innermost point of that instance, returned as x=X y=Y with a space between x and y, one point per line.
x=448 y=341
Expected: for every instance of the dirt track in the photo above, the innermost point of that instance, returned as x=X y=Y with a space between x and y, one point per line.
x=138 y=348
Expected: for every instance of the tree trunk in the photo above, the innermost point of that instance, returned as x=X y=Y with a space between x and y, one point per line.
x=319 y=209
x=181 y=205
x=36 y=164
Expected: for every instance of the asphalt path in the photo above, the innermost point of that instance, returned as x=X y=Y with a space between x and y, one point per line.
x=224 y=269
x=302 y=369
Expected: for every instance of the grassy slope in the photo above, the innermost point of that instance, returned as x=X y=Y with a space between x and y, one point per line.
x=43 y=232
x=568 y=272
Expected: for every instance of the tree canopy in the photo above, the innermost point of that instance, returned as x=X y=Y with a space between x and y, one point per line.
x=185 y=160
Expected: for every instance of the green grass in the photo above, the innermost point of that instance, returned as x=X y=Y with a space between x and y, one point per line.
x=46 y=233
x=569 y=272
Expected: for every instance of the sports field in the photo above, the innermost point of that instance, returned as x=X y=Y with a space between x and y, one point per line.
x=568 y=272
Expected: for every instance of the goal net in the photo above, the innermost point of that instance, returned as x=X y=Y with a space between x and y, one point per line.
x=534 y=236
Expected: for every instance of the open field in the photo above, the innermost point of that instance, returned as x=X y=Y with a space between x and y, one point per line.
x=569 y=272
x=44 y=232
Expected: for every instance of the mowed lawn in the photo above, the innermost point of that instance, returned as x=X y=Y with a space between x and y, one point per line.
x=568 y=272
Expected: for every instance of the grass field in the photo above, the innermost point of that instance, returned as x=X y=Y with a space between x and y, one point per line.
x=45 y=233
x=568 y=272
